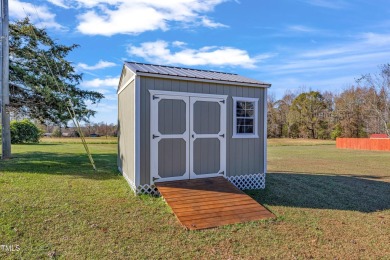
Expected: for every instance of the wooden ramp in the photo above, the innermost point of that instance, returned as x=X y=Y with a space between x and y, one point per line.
x=210 y=202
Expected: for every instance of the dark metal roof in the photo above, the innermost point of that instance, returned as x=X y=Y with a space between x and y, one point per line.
x=192 y=73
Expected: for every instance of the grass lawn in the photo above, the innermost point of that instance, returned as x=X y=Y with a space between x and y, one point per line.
x=330 y=204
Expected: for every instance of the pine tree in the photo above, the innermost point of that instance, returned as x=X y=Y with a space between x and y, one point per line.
x=42 y=81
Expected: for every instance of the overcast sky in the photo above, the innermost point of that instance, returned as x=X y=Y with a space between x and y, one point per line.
x=293 y=44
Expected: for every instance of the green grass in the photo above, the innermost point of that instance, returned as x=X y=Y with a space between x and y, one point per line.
x=330 y=204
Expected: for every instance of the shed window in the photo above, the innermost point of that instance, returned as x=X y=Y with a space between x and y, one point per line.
x=245 y=117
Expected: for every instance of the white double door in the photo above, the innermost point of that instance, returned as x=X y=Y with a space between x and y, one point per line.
x=188 y=136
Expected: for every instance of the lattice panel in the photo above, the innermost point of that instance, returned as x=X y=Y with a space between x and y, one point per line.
x=141 y=189
x=248 y=182
x=147 y=189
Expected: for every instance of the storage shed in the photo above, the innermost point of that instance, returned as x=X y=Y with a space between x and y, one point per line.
x=180 y=123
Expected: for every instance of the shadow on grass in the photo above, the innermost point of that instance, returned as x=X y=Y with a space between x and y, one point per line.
x=322 y=191
x=62 y=164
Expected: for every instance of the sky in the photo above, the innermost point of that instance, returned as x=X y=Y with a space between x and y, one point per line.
x=295 y=45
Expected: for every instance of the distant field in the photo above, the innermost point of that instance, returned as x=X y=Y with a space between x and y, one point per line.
x=329 y=203
x=322 y=157
x=298 y=142
x=76 y=140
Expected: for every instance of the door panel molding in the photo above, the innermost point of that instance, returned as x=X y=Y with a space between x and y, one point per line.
x=156 y=136
x=221 y=136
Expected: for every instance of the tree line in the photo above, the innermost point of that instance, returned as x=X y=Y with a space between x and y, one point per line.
x=88 y=129
x=357 y=111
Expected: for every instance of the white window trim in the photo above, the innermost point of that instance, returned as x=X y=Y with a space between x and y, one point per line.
x=256 y=118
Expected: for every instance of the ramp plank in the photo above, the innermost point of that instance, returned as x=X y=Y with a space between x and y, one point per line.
x=210 y=202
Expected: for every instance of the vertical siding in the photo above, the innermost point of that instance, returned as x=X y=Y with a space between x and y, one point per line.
x=126 y=146
x=243 y=156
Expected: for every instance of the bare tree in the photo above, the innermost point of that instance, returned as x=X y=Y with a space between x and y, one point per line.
x=284 y=106
x=278 y=110
x=378 y=100
x=272 y=117
x=351 y=113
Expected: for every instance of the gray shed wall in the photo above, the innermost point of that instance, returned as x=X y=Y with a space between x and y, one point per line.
x=243 y=156
x=126 y=134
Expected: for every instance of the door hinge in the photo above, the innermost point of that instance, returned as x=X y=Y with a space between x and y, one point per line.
x=155 y=136
x=222 y=172
x=222 y=135
x=222 y=101
x=155 y=178
x=155 y=97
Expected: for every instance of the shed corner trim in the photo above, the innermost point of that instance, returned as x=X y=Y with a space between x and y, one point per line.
x=124 y=86
x=137 y=126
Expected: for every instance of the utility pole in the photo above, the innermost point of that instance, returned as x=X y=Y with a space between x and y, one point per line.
x=4 y=75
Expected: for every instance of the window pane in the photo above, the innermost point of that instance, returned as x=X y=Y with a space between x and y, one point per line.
x=249 y=113
x=248 y=122
x=241 y=129
x=249 y=129
x=240 y=105
x=240 y=113
x=240 y=121
x=249 y=105
x=240 y=125
x=245 y=129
